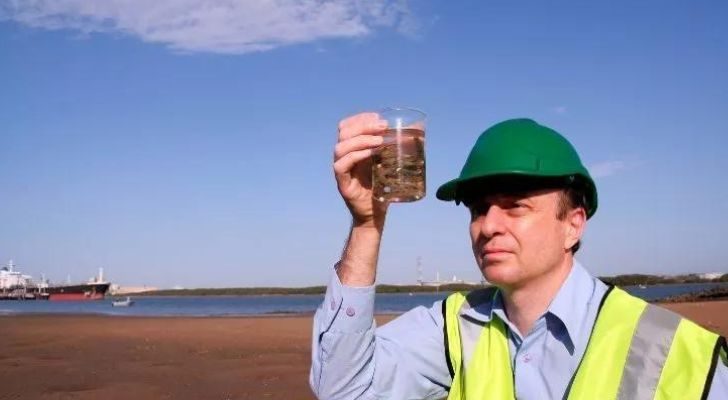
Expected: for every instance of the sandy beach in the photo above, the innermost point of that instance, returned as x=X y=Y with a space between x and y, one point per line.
x=99 y=357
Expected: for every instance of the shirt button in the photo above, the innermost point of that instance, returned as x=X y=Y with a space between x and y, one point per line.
x=333 y=304
x=526 y=358
x=350 y=311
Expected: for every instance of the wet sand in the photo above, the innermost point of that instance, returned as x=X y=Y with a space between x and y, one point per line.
x=99 y=357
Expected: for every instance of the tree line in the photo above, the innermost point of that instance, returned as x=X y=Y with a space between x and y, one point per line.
x=620 y=280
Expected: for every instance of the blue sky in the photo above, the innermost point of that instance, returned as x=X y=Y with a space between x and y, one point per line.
x=190 y=142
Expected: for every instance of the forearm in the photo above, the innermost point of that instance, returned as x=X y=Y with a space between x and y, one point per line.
x=358 y=266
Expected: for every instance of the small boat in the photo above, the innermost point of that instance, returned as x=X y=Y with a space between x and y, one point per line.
x=643 y=286
x=122 y=303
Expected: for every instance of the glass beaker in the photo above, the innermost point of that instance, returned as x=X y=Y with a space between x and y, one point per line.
x=398 y=165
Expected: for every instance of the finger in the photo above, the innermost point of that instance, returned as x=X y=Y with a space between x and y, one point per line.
x=360 y=142
x=362 y=127
x=357 y=118
x=345 y=164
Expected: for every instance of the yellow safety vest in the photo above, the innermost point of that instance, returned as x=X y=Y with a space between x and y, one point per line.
x=636 y=351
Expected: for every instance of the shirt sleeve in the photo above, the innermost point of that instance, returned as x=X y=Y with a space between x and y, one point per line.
x=353 y=359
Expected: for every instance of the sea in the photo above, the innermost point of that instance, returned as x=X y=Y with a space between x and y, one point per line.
x=223 y=306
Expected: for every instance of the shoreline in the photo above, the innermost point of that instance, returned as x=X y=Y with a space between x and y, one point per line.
x=191 y=317
x=5 y=315
x=121 y=316
x=718 y=294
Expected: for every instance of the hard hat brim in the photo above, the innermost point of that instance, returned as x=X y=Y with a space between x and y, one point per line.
x=448 y=190
x=460 y=189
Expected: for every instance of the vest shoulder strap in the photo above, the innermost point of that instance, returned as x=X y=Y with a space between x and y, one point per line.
x=451 y=331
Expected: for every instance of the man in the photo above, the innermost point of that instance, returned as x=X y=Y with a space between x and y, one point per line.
x=549 y=330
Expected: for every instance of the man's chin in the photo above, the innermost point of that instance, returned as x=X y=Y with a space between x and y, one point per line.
x=499 y=274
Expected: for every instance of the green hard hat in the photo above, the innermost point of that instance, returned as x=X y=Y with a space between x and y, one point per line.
x=519 y=150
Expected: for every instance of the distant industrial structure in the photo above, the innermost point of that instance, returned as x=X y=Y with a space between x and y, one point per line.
x=117 y=290
x=438 y=282
x=711 y=275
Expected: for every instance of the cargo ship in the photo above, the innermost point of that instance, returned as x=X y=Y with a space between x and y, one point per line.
x=83 y=291
x=16 y=286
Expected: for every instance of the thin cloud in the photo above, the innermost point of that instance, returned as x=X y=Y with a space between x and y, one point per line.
x=607 y=168
x=559 y=110
x=217 y=26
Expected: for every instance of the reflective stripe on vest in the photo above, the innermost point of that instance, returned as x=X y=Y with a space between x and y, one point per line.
x=636 y=351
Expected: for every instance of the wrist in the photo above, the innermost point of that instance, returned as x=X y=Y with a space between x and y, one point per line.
x=374 y=218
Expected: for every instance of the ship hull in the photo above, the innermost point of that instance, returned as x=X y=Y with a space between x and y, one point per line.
x=89 y=291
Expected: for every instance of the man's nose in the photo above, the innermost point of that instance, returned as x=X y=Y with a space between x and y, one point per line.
x=491 y=222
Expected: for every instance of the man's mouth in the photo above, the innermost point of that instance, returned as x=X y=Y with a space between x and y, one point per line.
x=493 y=253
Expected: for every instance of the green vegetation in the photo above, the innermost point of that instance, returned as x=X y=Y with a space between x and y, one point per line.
x=719 y=293
x=304 y=290
x=639 y=279
x=455 y=287
x=256 y=291
x=620 y=280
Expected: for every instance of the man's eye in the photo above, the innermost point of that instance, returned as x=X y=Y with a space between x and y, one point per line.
x=513 y=204
x=518 y=208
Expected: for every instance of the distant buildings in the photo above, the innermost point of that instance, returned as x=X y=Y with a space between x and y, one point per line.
x=438 y=282
x=711 y=275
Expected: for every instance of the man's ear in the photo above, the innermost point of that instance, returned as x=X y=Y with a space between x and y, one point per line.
x=575 y=225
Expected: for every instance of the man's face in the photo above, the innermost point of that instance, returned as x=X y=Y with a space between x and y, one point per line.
x=517 y=238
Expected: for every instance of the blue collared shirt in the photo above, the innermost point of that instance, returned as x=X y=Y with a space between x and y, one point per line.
x=405 y=358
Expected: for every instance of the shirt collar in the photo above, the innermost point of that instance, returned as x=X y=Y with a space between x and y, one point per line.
x=483 y=312
x=568 y=306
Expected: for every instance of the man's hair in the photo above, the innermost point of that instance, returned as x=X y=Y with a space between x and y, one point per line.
x=572 y=197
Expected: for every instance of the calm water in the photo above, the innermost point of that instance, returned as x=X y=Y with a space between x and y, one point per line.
x=259 y=305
